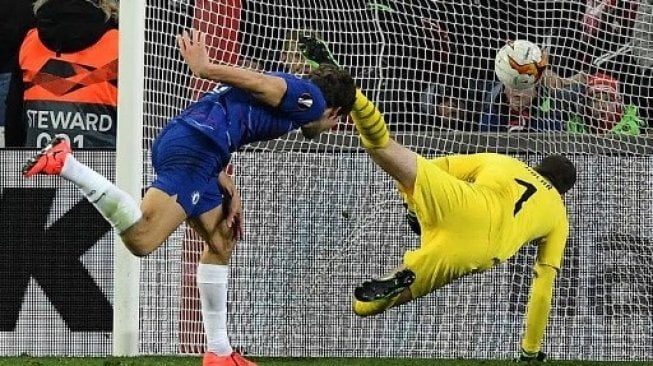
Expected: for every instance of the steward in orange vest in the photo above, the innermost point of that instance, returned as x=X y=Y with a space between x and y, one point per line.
x=70 y=72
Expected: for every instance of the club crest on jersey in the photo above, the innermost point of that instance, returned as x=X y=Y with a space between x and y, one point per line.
x=305 y=101
x=195 y=197
x=221 y=89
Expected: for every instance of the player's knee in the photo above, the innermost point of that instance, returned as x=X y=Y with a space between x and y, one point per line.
x=139 y=245
x=139 y=248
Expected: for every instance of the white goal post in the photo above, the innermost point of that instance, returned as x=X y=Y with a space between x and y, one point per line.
x=129 y=171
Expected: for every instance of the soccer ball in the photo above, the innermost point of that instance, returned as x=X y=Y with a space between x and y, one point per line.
x=520 y=64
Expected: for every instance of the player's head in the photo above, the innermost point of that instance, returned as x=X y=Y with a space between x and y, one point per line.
x=558 y=170
x=339 y=92
x=60 y=28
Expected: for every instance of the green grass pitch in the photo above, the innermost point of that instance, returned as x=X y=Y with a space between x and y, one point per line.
x=196 y=361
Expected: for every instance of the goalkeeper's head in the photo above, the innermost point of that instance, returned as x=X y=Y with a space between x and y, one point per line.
x=339 y=91
x=558 y=170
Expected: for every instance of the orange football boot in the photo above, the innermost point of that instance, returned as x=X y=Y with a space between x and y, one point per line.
x=234 y=359
x=50 y=159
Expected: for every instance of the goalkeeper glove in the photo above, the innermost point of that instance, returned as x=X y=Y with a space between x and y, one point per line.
x=316 y=51
x=529 y=357
x=411 y=217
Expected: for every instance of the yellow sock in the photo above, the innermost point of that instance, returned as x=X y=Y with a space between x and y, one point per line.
x=369 y=122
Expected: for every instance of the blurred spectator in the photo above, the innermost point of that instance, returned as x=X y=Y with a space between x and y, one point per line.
x=601 y=109
x=69 y=66
x=508 y=110
x=617 y=39
x=552 y=80
x=16 y=18
x=643 y=35
x=447 y=109
x=291 y=57
x=643 y=55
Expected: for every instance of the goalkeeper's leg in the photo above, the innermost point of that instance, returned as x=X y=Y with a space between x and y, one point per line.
x=393 y=158
x=423 y=271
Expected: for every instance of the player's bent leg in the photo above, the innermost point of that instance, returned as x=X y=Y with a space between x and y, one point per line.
x=212 y=282
x=429 y=268
x=369 y=308
x=218 y=237
x=369 y=123
x=161 y=216
x=115 y=205
x=398 y=161
x=395 y=159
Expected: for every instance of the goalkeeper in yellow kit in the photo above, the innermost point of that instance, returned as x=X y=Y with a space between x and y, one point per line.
x=473 y=211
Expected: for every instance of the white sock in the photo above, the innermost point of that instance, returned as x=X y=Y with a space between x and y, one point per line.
x=212 y=283
x=117 y=207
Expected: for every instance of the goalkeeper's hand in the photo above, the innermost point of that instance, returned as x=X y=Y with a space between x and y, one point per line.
x=316 y=51
x=532 y=357
x=411 y=217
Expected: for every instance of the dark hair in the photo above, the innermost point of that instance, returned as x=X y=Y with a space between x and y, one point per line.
x=337 y=86
x=558 y=170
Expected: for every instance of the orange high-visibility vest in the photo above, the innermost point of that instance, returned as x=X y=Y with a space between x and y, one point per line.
x=71 y=93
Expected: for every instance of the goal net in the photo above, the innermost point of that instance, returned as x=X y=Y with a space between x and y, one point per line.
x=321 y=217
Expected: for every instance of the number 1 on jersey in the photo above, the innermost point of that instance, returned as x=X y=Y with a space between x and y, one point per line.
x=530 y=190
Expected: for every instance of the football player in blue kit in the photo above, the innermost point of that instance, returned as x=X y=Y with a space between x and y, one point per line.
x=190 y=156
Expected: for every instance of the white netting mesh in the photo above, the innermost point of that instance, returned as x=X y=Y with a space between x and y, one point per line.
x=321 y=217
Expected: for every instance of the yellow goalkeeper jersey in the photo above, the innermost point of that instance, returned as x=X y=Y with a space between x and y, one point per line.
x=487 y=206
x=478 y=210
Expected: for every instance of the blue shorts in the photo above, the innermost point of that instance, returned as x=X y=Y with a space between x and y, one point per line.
x=187 y=166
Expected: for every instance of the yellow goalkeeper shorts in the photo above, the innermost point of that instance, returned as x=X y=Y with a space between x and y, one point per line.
x=455 y=224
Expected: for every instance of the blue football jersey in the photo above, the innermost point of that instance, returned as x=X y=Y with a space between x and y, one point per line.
x=231 y=117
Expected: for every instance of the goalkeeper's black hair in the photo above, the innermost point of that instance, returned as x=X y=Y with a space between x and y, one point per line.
x=337 y=86
x=558 y=170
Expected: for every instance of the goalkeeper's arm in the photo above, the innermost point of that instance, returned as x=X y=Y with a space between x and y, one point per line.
x=367 y=118
x=539 y=306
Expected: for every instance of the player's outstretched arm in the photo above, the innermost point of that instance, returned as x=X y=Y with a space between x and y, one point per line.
x=267 y=89
x=537 y=312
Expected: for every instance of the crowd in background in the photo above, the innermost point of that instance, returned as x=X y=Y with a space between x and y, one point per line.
x=429 y=64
